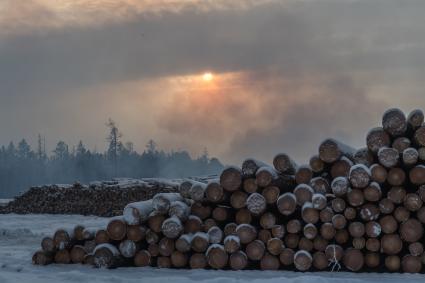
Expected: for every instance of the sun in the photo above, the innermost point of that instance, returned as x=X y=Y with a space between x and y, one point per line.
x=207 y=77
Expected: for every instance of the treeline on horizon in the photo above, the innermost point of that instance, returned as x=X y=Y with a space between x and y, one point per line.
x=22 y=167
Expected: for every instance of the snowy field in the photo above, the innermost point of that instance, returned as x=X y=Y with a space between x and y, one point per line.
x=20 y=236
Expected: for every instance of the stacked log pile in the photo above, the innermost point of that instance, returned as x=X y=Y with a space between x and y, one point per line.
x=99 y=198
x=353 y=210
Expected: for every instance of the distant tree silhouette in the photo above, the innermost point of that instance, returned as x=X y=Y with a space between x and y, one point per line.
x=22 y=167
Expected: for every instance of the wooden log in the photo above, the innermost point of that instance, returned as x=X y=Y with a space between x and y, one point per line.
x=388 y=157
x=410 y=156
x=388 y=224
x=151 y=237
x=246 y=233
x=255 y=250
x=214 y=192
x=250 y=185
x=355 y=198
x=184 y=243
x=303 y=193
x=193 y=224
x=128 y=248
x=305 y=244
x=303 y=260
x=379 y=173
x=216 y=256
x=77 y=254
x=294 y=226
x=350 y=213
x=275 y=246
x=232 y=244
x=198 y=261
x=286 y=257
x=166 y=247
x=373 y=244
x=316 y=164
x=243 y=216
x=153 y=249
x=179 y=259
x=184 y=188
x=136 y=233
x=231 y=178
x=392 y=263
x=353 y=260
x=117 y=229
x=334 y=253
x=271 y=194
x=197 y=191
x=78 y=233
x=137 y=212
x=412 y=202
x=161 y=202
x=339 y=221
x=417 y=175
x=397 y=194
x=394 y=122
x=338 y=205
x=238 y=199
x=416 y=249
x=287 y=203
x=172 y=227
x=391 y=244
x=143 y=258
x=221 y=213
x=208 y=224
x=48 y=245
x=283 y=163
x=266 y=175
x=386 y=206
x=238 y=260
x=42 y=258
x=359 y=243
x=267 y=220
x=200 y=210
x=415 y=119
x=356 y=229
x=359 y=176
x=107 y=256
x=319 y=201
x=200 y=242
x=102 y=237
x=373 y=192
x=342 y=237
x=310 y=231
x=341 y=168
x=215 y=235
x=377 y=138
x=155 y=222
x=303 y=175
x=411 y=230
x=230 y=229
x=372 y=260
x=369 y=212
x=326 y=215
x=364 y=156
x=309 y=214
x=400 y=144
x=320 y=185
x=250 y=166
x=411 y=264
x=332 y=150
x=327 y=231
x=396 y=177
x=62 y=239
x=320 y=262
x=419 y=136
x=269 y=262
x=340 y=186
x=421 y=215
x=401 y=214
x=278 y=231
x=180 y=210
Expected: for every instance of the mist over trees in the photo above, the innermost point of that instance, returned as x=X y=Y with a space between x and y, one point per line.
x=22 y=167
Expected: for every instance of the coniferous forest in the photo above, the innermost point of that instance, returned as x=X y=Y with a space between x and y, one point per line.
x=22 y=166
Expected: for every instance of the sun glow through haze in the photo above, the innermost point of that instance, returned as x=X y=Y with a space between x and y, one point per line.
x=207 y=77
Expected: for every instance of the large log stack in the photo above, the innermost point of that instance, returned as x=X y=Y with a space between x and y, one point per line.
x=106 y=198
x=353 y=210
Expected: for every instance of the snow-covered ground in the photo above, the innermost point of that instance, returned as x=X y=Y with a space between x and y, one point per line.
x=20 y=236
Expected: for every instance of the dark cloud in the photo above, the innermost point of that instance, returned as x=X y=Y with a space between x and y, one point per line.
x=312 y=68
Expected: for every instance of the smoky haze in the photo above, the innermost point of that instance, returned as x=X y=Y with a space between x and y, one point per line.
x=287 y=73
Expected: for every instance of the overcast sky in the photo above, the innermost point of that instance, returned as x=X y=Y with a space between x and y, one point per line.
x=286 y=74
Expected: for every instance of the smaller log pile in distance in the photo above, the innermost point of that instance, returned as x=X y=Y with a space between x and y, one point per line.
x=106 y=198
x=354 y=210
